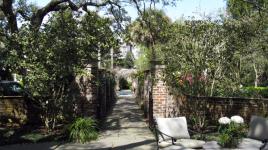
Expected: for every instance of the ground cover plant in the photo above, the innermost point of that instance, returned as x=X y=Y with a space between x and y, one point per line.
x=83 y=130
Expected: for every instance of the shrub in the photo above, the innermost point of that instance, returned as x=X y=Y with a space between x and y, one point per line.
x=83 y=130
x=259 y=92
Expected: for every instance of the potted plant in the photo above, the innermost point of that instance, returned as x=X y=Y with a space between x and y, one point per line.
x=231 y=131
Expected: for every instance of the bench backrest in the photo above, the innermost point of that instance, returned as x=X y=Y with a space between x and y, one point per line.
x=258 y=128
x=174 y=127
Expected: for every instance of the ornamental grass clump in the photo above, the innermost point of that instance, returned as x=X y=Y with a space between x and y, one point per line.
x=83 y=130
x=231 y=131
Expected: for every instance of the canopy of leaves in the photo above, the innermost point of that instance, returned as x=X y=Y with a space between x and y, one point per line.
x=242 y=8
x=254 y=36
x=148 y=31
x=209 y=57
x=152 y=25
x=197 y=57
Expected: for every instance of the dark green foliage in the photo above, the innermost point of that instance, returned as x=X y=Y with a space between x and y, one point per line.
x=57 y=54
x=150 y=27
x=124 y=84
x=128 y=61
x=147 y=31
x=83 y=130
x=238 y=8
x=251 y=40
x=241 y=8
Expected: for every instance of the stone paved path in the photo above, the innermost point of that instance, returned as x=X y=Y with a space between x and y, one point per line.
x=125 y=130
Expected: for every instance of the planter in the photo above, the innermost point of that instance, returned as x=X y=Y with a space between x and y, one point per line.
x=232 y=143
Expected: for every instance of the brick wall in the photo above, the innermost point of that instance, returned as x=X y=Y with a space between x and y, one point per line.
x=84 y=93
x=94 y=94
x=161 y=101
x=13 y=108
x=212 y=108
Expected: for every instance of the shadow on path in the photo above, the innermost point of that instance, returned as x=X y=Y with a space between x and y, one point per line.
x=123 y=129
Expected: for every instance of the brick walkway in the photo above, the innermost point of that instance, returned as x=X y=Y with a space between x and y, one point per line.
x=125 y=130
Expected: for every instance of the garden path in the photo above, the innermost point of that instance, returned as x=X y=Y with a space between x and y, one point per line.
x=124 y=129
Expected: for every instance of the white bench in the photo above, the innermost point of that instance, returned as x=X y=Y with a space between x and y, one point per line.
x=172 y=134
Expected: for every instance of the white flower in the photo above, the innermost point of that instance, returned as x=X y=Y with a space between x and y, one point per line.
x=237 y=119
x=224 y=120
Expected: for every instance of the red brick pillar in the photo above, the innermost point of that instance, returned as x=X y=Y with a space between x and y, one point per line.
x=159 y=93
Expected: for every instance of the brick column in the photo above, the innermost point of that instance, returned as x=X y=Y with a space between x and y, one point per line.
x=159 y=93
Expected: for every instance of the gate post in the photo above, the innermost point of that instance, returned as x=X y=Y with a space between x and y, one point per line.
x=158 y=94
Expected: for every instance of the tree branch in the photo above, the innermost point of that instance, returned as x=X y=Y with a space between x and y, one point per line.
x=39 y=15
x=56 y=5
x=138 y=8
x=7 y=9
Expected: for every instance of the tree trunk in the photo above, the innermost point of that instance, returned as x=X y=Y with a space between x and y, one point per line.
x=7 y=9
x=256 y=75
x=213 y=81
x=212 y=87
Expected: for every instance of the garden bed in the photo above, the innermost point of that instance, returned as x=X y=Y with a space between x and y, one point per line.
x=29 y=134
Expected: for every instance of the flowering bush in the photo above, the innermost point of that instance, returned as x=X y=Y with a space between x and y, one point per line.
x=231 y=131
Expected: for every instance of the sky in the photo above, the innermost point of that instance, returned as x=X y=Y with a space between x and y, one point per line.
x=186 y=8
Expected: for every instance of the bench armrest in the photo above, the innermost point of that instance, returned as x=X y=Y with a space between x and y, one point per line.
x=161 y=134
x=265 y=143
